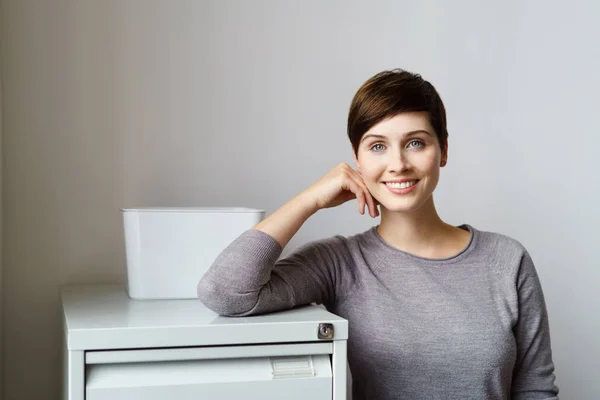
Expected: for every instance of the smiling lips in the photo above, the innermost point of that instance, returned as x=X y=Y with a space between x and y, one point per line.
x=402 y=186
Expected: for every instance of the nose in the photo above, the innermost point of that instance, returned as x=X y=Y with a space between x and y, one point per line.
x=398 y=162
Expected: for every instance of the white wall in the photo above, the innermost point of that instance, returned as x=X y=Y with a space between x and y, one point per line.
x=109 y=104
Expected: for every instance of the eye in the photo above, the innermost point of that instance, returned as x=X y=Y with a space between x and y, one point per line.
x=416 y=143
x=377 y=147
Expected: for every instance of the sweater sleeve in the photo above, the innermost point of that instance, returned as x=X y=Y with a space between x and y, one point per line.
x=533 y=376
x=248 y=279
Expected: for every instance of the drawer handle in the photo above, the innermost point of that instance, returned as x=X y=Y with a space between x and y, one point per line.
x=292 y=367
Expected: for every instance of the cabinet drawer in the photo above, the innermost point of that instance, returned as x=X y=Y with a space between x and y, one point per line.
x=294 y=371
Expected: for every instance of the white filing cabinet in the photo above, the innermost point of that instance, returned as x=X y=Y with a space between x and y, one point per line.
x=122 y=349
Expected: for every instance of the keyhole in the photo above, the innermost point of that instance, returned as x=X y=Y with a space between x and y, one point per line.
x=325 y=331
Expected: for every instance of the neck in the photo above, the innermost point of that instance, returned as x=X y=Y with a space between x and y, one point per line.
x=414 y=231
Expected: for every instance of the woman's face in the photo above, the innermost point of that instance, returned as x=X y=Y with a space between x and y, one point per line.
x=399 y=160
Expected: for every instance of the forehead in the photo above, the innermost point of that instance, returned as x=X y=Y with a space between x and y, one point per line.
x=401 y=124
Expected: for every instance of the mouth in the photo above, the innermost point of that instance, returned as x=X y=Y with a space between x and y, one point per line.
x=403 y=187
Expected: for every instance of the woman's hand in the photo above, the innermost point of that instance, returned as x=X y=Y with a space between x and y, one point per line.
x=340 y=185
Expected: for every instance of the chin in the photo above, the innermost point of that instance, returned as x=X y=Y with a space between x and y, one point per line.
x=404 y=206
x=401 y=209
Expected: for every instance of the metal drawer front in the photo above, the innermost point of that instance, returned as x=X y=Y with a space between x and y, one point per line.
x=265 y=378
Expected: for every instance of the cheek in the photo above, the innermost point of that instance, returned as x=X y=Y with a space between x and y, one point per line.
x=433 y=166
x=427 y=161
x=372 y=168
x=430 y=166
x=370 y=178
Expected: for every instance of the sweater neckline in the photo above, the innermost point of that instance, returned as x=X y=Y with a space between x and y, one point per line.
x=395 y=252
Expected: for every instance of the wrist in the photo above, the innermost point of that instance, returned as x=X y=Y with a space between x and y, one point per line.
x=307 y=203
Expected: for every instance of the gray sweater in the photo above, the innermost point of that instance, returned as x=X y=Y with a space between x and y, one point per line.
x=473 y=326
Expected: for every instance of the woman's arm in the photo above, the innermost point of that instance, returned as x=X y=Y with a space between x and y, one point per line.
x=247 y=279
x=338 y=186
x=533 y=376
x=284 y=223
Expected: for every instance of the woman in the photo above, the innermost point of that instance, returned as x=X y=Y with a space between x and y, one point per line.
x=435 y=311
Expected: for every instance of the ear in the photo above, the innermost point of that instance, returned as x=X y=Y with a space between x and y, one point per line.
x=444 y=160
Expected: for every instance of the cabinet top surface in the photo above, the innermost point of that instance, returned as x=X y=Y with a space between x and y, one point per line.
x=97 y=312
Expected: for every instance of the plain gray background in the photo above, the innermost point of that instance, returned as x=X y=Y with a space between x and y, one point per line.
x=109 y=104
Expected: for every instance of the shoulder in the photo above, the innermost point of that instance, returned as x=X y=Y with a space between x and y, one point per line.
x=503 y=253
x=499 y=244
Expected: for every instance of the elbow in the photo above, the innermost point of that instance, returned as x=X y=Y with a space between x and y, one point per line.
x=224 y=301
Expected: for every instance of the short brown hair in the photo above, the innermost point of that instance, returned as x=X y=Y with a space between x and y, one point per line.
x=392 y=92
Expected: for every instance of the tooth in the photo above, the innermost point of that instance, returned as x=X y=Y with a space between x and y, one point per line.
x=401 y=185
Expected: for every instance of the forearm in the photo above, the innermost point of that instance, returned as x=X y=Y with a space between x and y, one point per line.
x=284 y=223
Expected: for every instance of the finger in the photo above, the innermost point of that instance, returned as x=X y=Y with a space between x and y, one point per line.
x=360 y=195
x=369 y=199
x=358 y=191
x=372 y=203
x=373 y=212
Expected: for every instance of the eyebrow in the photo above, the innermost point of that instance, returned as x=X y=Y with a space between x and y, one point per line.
x=411 y=133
